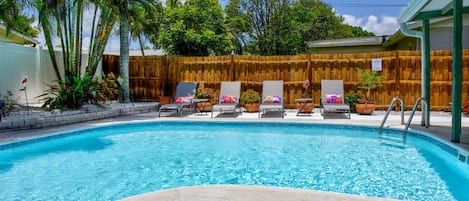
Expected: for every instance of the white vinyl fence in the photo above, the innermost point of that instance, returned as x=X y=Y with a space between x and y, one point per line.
x=35 y=62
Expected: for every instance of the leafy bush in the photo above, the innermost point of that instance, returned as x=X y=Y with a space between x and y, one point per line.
x=250 y=96
x=465 y=107
x=70 y=93
x=352 y=100
x=108 y=88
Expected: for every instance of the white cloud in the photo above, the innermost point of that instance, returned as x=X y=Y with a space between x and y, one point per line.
x=88 y=20
x=384 y=25
x=352 y=20
x=387 y=25
x=85 y=43
x=113 y=45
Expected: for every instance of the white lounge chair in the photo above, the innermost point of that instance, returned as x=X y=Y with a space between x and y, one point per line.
x=185 y=92
x=332 y=98
x=272 y=97
x=229 y=98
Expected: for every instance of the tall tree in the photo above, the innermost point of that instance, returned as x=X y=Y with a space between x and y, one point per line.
x=124 y=49
x=273 y=27
x=124 y=8
x=103 y=24
x=195 y=27
x=145 y=23
x=13 y=17
x=62 y=20
x=265 y=24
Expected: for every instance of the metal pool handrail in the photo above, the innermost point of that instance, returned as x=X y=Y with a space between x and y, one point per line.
x=425 y=122
x=389 y=110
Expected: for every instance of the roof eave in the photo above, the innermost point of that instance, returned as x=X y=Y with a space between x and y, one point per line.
x=412 y=10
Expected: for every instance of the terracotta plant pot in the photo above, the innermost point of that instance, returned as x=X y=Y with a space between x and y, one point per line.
x=164 y=100
x=204 y=106
x=365 y=109
x=307 y=109
x=251 y=107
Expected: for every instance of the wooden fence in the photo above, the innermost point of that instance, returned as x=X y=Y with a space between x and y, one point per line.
x=154 y=76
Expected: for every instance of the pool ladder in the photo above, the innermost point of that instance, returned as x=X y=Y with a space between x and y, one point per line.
x=424 y=117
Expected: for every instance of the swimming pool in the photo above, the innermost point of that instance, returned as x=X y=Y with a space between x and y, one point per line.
x=113 y=162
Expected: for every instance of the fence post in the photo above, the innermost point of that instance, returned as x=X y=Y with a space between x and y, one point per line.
x=310 y=68
x=232 y=68
x=165 y=75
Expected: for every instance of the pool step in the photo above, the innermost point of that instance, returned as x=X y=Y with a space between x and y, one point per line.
x=393 y=141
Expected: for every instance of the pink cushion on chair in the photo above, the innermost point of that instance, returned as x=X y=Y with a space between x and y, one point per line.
x=276 y=99
x=268 y=99
x=227 y=99
x=272 y=99
x=186 y=99
x=333 y=98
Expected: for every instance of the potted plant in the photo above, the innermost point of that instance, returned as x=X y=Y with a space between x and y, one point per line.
x=369 y=80
x=206 y=94
x=352 y=100
x=465 y=108
x=250 y=100
x=302 y=105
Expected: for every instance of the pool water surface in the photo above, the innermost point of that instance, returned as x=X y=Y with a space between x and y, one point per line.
x=113 y=162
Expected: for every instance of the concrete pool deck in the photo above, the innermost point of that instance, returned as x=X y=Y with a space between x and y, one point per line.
x=440 y=128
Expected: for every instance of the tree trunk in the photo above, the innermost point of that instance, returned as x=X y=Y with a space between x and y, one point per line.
x=50 y=47
x=124 y=53
x=103 y=31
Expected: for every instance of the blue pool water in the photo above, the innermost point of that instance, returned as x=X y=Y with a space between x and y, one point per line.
x=113 y=162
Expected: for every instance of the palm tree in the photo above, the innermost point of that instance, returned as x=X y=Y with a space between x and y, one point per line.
x=124 y=8
x=145 y=22
x=12 y=16
x=63 y=19
x=9 y=12
x=100 y=32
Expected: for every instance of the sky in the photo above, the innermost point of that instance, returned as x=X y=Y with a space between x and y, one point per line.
x=378 y=17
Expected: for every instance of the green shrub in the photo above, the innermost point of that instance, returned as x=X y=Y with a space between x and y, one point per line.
x=352 y=99
x=250 y=96
x=70 y=93
x=108 y=88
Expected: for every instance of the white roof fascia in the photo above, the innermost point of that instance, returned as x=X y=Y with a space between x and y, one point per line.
x=364 y=41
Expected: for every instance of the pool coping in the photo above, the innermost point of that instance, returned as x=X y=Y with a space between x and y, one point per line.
x=243 y=193
x=460 y=153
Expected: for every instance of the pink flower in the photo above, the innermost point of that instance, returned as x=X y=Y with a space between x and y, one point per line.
x=306 y=84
